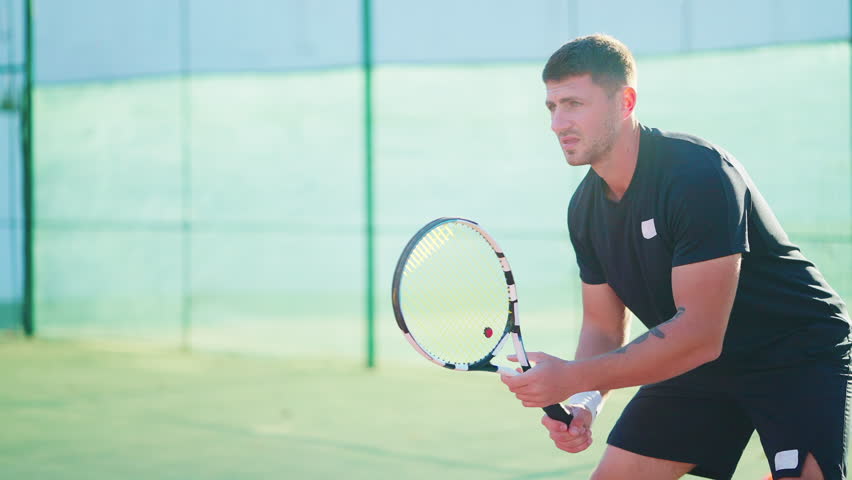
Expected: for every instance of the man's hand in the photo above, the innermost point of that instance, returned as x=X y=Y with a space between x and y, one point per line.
x=574 y=438
x=544 y=384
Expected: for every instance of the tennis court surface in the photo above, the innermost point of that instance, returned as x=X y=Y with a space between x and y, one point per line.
x=105 y=410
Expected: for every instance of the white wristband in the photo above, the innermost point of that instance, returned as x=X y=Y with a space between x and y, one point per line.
x=591 y=400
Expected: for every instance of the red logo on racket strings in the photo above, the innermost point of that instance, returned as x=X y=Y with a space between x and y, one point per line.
x=488 y=332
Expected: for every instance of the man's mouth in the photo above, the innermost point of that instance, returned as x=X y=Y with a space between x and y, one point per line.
x=569 y=141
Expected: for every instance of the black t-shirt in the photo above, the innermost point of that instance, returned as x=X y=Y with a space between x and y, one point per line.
x=690 y=201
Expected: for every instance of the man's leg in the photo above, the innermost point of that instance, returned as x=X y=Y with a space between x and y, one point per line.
x=618 y=464
x=810 y=471
x=685 y=424
x=801 y=414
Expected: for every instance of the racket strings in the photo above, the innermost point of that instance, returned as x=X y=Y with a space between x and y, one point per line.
x=454 y=295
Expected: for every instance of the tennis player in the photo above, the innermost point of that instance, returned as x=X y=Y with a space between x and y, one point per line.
x=744 y=331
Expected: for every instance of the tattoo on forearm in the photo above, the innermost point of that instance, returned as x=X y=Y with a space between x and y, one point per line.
x=656 y=331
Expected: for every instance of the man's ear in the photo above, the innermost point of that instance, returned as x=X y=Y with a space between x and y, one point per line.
x=628 y=101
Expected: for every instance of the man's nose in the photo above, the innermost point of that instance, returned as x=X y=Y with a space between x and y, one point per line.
x=561 y=121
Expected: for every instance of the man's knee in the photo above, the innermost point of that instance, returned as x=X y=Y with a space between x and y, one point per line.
x=618 y=464
x=810 y=470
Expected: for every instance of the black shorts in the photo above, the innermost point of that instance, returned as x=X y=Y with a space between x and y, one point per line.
x=707 y=417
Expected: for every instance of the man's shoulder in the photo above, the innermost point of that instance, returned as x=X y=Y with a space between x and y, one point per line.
x=680 y=146
x=687 y=157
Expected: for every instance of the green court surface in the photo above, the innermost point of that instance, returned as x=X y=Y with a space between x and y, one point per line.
x=97 y=410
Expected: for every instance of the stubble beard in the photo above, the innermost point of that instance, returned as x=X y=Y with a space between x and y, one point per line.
x=599 y=147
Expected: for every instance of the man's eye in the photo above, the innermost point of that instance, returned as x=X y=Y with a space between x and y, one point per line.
x=574 y=103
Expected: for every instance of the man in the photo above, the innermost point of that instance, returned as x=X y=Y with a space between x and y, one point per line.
x=744 y=332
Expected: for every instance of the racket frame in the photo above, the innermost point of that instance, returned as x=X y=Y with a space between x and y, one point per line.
x=512 y=327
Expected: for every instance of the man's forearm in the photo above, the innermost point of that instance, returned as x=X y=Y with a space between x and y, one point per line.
x=594 y=342
x=680 y=344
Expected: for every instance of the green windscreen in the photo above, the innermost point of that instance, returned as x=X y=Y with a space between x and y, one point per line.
x=225 y=211
x=200 y=174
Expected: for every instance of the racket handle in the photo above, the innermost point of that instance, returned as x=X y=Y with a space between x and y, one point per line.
x=555 y=411
x=558 y=412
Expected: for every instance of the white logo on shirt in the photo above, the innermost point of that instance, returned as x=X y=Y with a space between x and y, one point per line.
x=649 y=230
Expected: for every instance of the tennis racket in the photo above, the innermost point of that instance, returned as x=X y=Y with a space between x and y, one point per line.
x=455 y=299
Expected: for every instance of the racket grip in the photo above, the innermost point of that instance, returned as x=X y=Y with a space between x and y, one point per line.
x=558 y=412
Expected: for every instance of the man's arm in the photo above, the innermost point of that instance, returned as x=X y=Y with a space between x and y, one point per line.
x=704 y=295
x=605 y=327
x=605 y=322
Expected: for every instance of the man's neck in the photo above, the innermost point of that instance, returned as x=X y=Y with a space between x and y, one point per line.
x=617 y=168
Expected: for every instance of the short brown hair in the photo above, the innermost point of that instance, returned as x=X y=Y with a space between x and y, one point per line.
x=606 y=59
